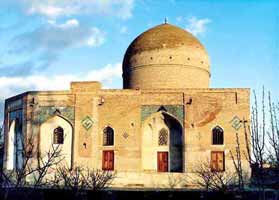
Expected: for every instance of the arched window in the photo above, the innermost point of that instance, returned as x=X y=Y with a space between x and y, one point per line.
x=108 y=136
x=163 y=137
x=58 y=135
x=218 y=135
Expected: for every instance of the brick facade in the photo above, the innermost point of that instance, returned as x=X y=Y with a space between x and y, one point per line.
x=171 y=94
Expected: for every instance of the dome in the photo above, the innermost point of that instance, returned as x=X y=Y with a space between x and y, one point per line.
x=165 y=56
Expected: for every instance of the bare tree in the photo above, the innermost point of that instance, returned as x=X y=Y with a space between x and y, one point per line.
x=175 y=181
x=34 y=172
x=255 y=142
x=263 y=147
x=52 y=159
x=273 y=133
x=212 y=180
x=97 y=179
x=237 y=161
x=79 y=179
x=204 y=174
x=45 y=170
x=262 y=144
x=30 y=173
x=258 y=133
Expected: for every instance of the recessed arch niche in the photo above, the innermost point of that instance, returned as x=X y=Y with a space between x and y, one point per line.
x=151 y=128
x=47 y=131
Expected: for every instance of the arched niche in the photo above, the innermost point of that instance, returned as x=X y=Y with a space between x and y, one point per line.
x=108 y=136
x=217 y=135
x=15 y=145
x=175 y=144
x=151 y=128
x=11 y=146
x=47 y=131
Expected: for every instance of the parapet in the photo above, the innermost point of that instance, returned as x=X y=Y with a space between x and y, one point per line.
x=85 y=86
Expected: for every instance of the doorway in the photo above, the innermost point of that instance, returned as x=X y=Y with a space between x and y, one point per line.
x=163 y=161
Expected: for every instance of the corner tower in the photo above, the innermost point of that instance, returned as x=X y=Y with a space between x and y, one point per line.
x=165 y=56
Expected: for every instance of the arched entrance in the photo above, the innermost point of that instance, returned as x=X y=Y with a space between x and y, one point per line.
x=162 y=143
x=57 y=131
x=175 y=144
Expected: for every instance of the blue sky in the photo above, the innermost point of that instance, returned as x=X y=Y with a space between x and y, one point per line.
x=45 y=44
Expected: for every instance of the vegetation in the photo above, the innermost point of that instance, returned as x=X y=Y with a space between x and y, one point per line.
x=210 y=180
x=261 y=150
x=49 y=171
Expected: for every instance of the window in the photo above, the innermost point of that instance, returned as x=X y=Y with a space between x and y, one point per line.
x=108 y=136
x=58 y=136
x=108 y=160
x=163 y=137
x=217 y=135
x=217 y=161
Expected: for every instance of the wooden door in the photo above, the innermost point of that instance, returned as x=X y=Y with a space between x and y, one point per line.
x=108 y=160
x=162 y=161
x=217 y=161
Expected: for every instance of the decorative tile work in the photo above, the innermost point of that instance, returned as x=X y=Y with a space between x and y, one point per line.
x=87 y=122
x=163 y=137
x=176 y=110
x=45 y=112
x=125 y=135
x=15 y=104
x=236 y=123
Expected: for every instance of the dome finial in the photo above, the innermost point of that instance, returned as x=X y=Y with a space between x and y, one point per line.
x=166 y=20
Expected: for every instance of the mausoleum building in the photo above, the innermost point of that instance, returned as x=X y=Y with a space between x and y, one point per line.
x=160 y=127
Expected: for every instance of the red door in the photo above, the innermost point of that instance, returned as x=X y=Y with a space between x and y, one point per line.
x=217 y=161
x=162 y=161
x=108 y=160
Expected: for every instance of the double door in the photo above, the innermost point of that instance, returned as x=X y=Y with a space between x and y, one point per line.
x=163 y=161
x=108 y=160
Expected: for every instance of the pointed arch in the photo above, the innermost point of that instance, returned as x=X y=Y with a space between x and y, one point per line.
x=56 y=116
x=58 y=135
x=217 y=135
x=162 y=108
x=11 y=146
x=168 y=115
x=57 y=130
x=162 y=122
x=176 y=142
x=108 y=136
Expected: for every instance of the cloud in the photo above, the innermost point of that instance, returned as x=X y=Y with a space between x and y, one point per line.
x=59 y=8
x=67 y=24
x=56 y=37
x=123 y=29
x=27 y=67
x=179 y=19
x=197 y=26
x=45 y=44
x=10 y=86
x=17 y=69
x=96 y=38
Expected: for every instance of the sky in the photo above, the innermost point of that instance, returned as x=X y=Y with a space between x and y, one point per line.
x=46 y=44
